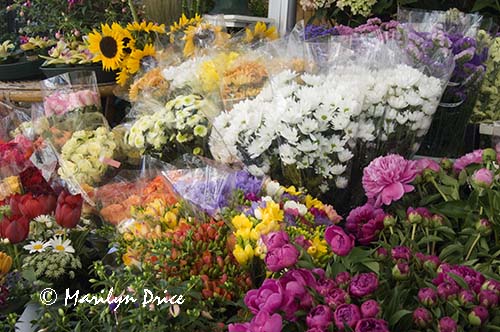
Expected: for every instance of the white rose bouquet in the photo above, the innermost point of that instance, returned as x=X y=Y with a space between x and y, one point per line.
x=83 y=156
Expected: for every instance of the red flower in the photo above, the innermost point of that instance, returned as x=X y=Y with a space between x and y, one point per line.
x=33 y=181
x=32 y=207
x=15 y=228
x=69 y=209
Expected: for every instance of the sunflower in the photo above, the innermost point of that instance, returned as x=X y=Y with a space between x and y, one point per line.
x=122 y=77
x=259 y=32
x=108 y=46
x=203 y=35
x=183 y=23
x=137 y=55
x=146 y=27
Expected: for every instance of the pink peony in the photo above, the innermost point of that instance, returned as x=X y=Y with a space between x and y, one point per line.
x=426 y=163
x=388 y=178
x=475 y=157
x=483 y=177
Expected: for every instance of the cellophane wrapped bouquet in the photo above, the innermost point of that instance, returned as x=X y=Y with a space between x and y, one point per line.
x=80 y=138
x=462 y=35
x=486 y=109
x=401 y=94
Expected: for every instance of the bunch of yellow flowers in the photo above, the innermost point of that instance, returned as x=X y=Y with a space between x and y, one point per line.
x=249 y=231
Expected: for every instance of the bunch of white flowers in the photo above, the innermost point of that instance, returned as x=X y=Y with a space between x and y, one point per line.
x=182 y=125
x=82 y=155
x=308 y=127
x=185 y=73
x=400 y=103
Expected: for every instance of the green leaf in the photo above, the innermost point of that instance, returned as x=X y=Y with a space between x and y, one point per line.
x=430 y=238
x=450 y=250
x=29 y=274
x=453 y=209
x=429 y=199
x=492 y=328
x=397 y=316
x=337 y=268
x=481 y=4
x=459 y=280
x=374 y=266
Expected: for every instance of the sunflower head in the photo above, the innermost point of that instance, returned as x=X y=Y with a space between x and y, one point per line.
x=107 y=46
x=138 y=57
x=147 y=27
x=260 y=32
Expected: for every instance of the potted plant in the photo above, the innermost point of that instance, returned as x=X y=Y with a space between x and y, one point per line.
x=72 y=55
x=23 y=62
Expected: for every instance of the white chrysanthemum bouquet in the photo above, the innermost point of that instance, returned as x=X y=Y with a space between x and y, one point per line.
x=303 y=135
x=181 y=126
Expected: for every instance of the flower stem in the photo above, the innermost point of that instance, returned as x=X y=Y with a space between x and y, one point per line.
x=434 y=244
x=413 y=230
x=392 y=230
x=433 y=181
x=472 y=247
x=133 y=11
x=428 y=244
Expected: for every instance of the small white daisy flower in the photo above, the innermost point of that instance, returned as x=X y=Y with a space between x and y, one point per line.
x=58 y=245
x=36 y=246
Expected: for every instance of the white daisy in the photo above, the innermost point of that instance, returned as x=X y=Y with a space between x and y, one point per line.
x=43 y=219
x=58 y=245
x=36 y=246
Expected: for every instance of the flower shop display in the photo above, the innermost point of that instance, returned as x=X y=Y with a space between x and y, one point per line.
x=228 y=199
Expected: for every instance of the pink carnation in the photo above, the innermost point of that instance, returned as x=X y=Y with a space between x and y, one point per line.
x=388 y=178
x=475 y=157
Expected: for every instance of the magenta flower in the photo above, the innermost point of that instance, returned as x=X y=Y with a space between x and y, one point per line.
x=363 y=284
x=276 y=240
x=279 y=258
x=347 y=314
x=427 y=296
x=447 y=324
x=466 y=297
x=370 y=309
x=340 y=242
x=365 y=223
x=475 y=157
x=343 y=279
x=401 y=253
x=336 y=297
x=372 y=325
x=320 y=317
x=296 y=296
x=265 y=322
x=269 y=297
x=478 y=316
x=324 y=286
x=488 y=298
x=422 y=317
x=426 y=163
x=387 y=179
x=492 y=285
x=483 y=177
x=239 y=327
x=447 y=290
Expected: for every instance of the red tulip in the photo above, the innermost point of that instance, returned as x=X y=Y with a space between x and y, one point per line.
x=69 y=209
x=32 y=207
x=15 y=228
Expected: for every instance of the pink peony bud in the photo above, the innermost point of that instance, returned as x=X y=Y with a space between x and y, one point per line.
x=483 y=178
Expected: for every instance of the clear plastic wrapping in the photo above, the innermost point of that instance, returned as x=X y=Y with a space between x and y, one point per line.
x=131 y=189
x=72 y=91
